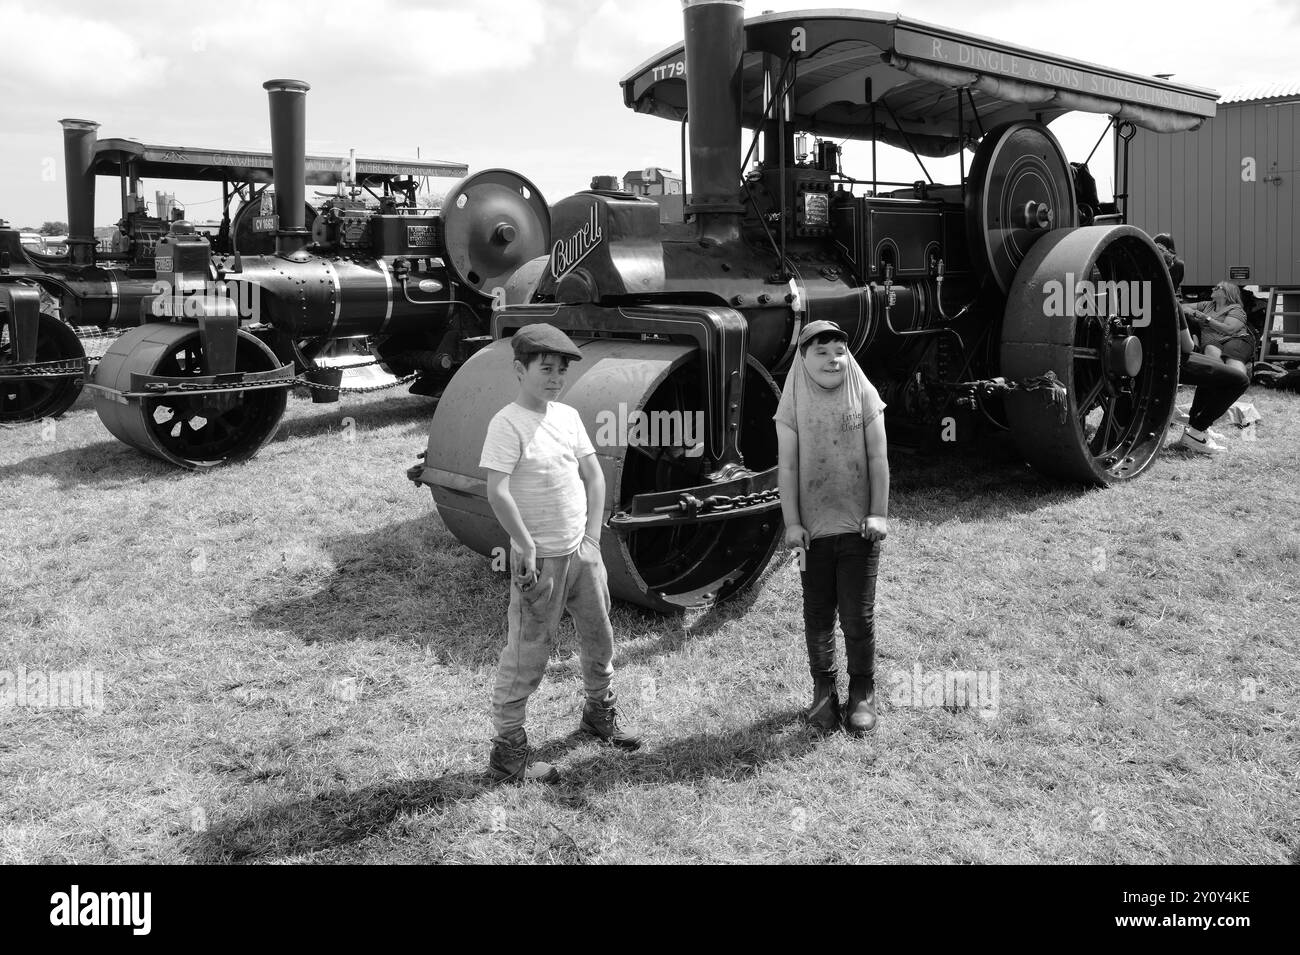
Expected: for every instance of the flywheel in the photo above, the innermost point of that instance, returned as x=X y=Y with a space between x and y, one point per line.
x=1020 y=188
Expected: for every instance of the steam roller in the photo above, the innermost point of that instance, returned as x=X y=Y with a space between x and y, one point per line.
x=995 y=304
x=203 y=380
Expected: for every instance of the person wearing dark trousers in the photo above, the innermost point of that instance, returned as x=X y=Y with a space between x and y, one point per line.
x=833 y=473
x=1218 y=385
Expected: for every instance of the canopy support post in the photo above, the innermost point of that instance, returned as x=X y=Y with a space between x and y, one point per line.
x=875 y=132
x=908 y=139
x=961 y=143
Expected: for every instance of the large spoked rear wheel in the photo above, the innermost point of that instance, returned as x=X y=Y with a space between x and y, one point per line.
x=1095 y=307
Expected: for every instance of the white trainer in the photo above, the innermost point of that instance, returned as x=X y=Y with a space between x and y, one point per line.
x=1205 y=445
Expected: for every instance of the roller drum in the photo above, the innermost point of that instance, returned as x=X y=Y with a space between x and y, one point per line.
x=665 y=569
x=195 y=431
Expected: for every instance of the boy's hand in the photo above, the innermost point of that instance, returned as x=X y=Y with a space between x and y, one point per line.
x=796 y=536
x=528 y=563
x=875 y=528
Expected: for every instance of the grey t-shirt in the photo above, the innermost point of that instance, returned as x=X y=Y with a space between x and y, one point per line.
x=834 y=483
x=540 y=452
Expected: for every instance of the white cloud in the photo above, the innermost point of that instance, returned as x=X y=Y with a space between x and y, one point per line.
x=61 y=52
x=618 y=37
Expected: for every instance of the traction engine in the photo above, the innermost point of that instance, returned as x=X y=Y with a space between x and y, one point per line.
x=942 y=290
x=202 y=378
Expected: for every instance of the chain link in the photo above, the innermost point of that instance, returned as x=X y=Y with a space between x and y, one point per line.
x=361 y=390
x=689 y=504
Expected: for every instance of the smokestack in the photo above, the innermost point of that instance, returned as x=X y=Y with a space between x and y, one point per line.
x=289 y=162
x=79 y=182
x=715 y=43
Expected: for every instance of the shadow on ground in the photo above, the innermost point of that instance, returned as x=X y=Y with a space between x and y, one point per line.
x=339 y=818
x=110 y=461
x=105 y=462
x=987 y=482
x=406 y=581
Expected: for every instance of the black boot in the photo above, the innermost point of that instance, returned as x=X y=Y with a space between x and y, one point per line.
x=512 y=761
x=601 y=721
x=824 y=713
x=860 y=714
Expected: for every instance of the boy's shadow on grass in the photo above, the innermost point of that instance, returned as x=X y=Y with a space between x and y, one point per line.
x=407 y=581
x=337 y=819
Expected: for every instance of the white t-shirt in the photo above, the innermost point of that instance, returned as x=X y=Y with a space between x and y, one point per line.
x=540 y=452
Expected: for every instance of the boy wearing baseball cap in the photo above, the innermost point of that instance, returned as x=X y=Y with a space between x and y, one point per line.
x=547 y=490
x=833 y=474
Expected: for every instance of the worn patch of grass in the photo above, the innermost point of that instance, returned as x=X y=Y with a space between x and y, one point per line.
x=297 y=659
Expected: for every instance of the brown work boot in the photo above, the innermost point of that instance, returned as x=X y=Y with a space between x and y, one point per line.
x=824 y=713
x=601 y=721
x=860 y=712
x=511 y=761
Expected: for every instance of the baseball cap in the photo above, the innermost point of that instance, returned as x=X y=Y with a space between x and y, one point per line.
x=819 y=327
x=543 y=339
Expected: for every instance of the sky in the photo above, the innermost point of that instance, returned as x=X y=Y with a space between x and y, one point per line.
x=531 y=85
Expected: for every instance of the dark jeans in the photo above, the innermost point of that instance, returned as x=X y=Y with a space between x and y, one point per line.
x=840 y=574
x=1217 y=387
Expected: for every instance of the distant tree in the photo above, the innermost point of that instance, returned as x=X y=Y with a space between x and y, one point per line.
x=53 y=228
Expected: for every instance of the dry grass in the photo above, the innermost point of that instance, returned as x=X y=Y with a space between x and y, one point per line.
x=233 y=615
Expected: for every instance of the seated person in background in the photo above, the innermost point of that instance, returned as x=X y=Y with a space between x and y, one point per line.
x=1224 y=332
x=1165 y=246
x=1218 y=385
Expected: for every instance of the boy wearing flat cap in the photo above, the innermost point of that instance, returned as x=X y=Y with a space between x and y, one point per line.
x=547 y=490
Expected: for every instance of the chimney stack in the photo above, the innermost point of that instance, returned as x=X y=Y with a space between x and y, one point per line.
x=79 y=183
x=715 y=44
x=289 y=163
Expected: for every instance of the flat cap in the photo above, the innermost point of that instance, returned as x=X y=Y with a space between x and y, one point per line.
x=543 y=339
x=817 y=328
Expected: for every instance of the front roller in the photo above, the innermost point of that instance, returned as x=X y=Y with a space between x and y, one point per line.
x=1096 y=308
x=42 y=362
x=637 y=402
x=153 y=390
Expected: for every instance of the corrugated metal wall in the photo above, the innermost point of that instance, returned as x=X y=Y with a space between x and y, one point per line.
x=1191 y=185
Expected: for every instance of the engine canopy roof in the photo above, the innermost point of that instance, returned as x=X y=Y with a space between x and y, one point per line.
x=913 y=69
x=113 y=156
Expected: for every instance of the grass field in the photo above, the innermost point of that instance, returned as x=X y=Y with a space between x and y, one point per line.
x=296 y=659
